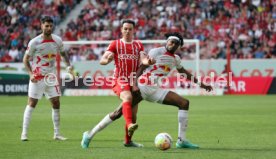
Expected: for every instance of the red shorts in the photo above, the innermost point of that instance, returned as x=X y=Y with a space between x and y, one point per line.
x=120 y=87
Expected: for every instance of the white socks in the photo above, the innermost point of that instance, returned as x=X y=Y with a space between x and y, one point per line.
x=101 y=125
x=56 y=120
x=26 y=119
x=182 y=124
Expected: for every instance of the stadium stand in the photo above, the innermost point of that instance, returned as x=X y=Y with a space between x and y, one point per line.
x=19 y=23
x=249 y=27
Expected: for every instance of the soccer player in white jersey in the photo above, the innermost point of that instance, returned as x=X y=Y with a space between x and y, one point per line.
x=43 y=50
x=166 y=60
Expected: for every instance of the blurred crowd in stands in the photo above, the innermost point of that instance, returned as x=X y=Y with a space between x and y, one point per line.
x=20 y=22
x=246 y=27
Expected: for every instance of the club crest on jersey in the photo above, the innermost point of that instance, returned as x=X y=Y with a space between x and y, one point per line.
x=128 y=56
x=49 y=56
x=166 y=68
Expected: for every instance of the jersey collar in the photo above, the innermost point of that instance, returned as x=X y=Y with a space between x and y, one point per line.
x=126 y=42
x=46 y=40
x=169 y=54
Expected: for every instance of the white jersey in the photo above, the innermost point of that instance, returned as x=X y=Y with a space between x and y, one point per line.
x=43 y=53
x=165 y=62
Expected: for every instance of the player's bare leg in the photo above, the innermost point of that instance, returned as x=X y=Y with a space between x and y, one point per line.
x=27 y=117
x=108 y=119
x=183 y=106
x=56 y=118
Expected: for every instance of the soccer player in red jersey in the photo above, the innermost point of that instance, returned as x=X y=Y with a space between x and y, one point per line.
x=43 y=49
x=127 y=54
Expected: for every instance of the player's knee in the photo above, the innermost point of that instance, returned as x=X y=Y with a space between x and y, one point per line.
x=127 y=98
x=184 y=104
x=32 y=102
x=115 y=115
x=55 y=103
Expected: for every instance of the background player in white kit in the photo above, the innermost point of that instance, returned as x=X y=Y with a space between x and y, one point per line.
x=43 y=50
x=149 y=90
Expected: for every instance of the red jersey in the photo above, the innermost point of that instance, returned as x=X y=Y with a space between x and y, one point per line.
x=126 y=56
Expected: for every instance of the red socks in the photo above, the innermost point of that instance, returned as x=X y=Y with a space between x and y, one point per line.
x=127 y=112
x=127 y=138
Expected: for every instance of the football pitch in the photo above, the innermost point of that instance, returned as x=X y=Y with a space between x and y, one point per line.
x=228 y=127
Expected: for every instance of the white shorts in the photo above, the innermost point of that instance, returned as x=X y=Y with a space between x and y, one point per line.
x=153 y=93
x=36 y=90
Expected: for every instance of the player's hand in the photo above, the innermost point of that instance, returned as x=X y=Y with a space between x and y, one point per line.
x=70 y=69
x=33 y=78
x=151 y=61
x=208 y=88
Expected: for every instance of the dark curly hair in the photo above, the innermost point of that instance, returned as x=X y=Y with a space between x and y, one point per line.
x=46 y=19
x=167 y=35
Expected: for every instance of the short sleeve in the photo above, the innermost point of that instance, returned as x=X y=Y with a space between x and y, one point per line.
x=59 y=42
x=112 y=47
x=31 y=48
x=61 y=47
x=153 y=53
x=178 y=62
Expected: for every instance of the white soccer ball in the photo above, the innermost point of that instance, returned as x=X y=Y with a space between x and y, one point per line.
x=163 y=141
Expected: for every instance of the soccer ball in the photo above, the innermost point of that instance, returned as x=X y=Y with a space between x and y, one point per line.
x=163 y=141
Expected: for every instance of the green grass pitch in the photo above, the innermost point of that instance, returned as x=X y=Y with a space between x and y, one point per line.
x=228 y=127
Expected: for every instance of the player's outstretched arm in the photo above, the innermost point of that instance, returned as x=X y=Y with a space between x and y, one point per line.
x=146 y=60
x=189 y=76
x=107 y=58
